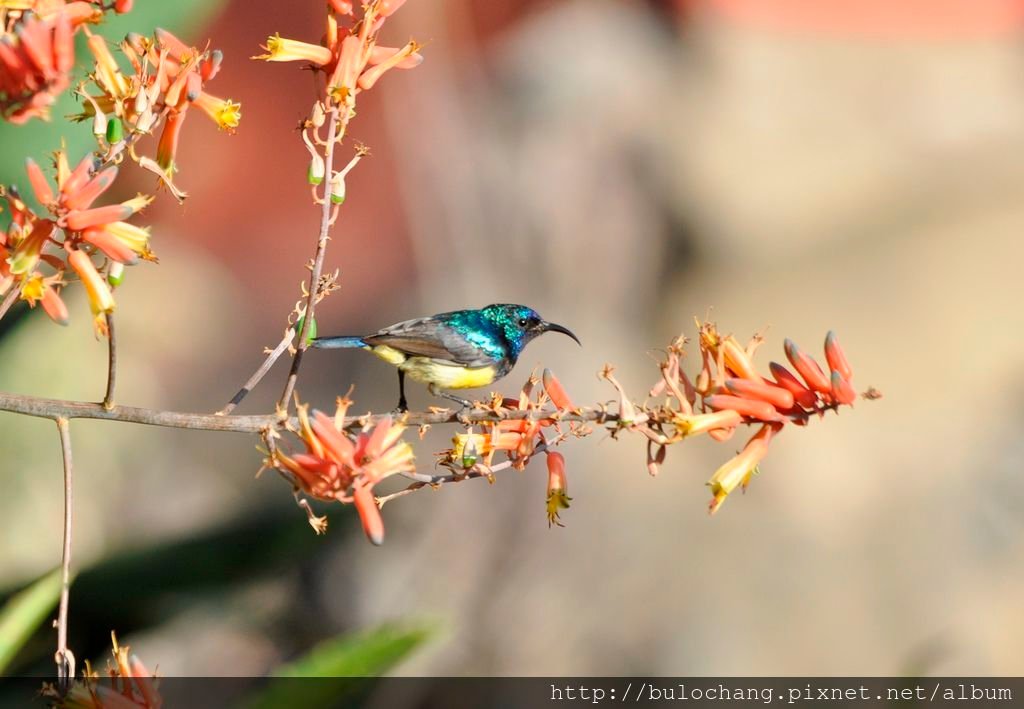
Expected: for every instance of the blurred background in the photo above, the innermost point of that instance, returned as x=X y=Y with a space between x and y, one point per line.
x=620 y=166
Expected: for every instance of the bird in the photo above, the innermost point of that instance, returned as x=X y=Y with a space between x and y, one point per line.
x=461 y=349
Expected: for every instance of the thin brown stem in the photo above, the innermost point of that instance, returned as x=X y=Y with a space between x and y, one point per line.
x=64 y=657
x=58 y=408
x=258 y=375
x=108 y=398
x=318 y=262
x=8 y=301
x=422 y=480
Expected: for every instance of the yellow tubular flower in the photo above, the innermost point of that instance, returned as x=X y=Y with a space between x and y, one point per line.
x=280 y=49
x=107 y=72
x=134 y=237
x=224 y=112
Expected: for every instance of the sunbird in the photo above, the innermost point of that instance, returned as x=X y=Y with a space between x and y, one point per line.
x=463 y=349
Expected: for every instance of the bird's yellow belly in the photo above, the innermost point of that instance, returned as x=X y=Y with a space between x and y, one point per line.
x=428 y=371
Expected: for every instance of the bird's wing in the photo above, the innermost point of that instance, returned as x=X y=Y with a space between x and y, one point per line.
x=427 y=337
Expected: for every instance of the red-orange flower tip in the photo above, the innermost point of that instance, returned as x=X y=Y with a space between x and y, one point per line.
x=807 y=368
x=54 y=307
x=786 y=379
x=369 y=513
x=555 y=391
x=836 y=358
x=389 y=7
x=842 y=391
x=40 y=185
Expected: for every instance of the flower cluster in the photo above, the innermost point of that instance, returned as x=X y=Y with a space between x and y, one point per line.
x=73 y=236
x=131 y=685
x=351 y=61
x=349 y=55
x=37 y=51
x=37 y=251
x=168 y=78
x=519 y=433
x=342 y=467
x=728 y=392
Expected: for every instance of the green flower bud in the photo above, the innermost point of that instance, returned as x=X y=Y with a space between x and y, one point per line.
x=469 y=455
x=116 y=274
x=115 y=131
x=315 y=174
x=311 y=335
x=338 y=188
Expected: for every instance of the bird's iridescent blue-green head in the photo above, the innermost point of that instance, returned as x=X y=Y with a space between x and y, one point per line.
x=521 y=324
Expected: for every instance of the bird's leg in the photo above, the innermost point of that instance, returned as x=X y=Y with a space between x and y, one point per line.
x=403 y=405
x=464 y=403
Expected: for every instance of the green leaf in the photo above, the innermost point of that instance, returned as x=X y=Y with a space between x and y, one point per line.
x=25 y=612
x=339 y=660
x=38 y=139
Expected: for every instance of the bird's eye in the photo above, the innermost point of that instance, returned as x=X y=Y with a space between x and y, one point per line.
x=523 y=322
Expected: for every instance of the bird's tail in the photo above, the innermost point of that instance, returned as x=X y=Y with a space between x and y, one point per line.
x=337 y=343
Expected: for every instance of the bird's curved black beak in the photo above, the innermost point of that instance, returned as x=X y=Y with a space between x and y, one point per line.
x=555 y=327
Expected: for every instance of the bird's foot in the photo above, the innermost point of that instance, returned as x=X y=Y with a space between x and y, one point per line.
x=464 y=403
x=401 y=408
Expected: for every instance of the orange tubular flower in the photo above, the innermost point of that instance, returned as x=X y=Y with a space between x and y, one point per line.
x=778 y=397
x=379 y=54
x=369 y=513
x=77 y=221
x=108 y=74
x=167 y=148
x=337 y=466
x=54 y=306
x=558 y=489
x=807 y=368
x=91 y=190
x=407 y=53
x=836 y=358
x=100 y=298
x=750 y=408
x=555 y=391
x=40 y=185
x=785 y=379
x=842 y=390
x=110 y=245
